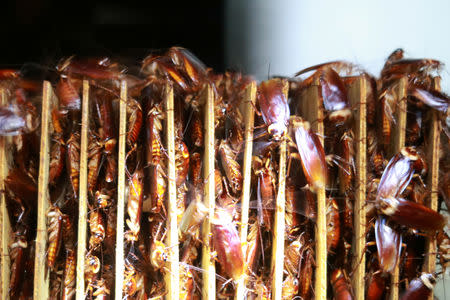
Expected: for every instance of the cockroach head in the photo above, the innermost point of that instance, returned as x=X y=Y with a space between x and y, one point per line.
x=428 y=280
x=277 y=130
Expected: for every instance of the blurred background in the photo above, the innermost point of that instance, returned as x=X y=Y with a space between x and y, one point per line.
x=258 y=37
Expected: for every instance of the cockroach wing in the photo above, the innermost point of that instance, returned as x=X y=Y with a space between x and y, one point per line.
x=389 y=242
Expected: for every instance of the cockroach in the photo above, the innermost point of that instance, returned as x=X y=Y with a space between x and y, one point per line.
x=181 y=201
x=347 y=219
x=420 y=288
x=261 y=290
x=376 y=284
x=291 y=218
x=94 y=159
x=162 y=67
x=73 y=161
x=412 y=259
x=192 y=218
x=311 y=153
x=253 y=248
x=9 y=74
x=153 y=140
x=432 y=98
x=18 y=255
x=158 y=255
x=196 y=129
x=68 y=94
x=218 y=180
x=157 y=188
x=97 y=228
x=106 y=118
x=333 y=225
x=290 y=287
x=411 y=66
x=306 y=271
x=227 y=244
x=236 y=136
x=57 y=154
x=413 y=127
x=274 y=108
x=265 y=191
x=387 y=109
x=341 y=286
x=135 y=119
x=443 y=244
x=101 y=291
x=292 y=256
x=69 y=275
x=110 y=234
x=68 y=233
x=347 y=166
x=56 y=279
x=191 y=65
x=186 y=283
x=54 y=235
x=97 y=69
x=389 y=243
x=231 y=167
x=103 y=197
x=195 y=170
x=181 y=162
x=23 y=187
x=134 y=205
x=396 y=55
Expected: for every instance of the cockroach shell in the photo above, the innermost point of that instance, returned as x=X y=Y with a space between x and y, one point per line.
x=312 y=154
x=340 y=286
x=411 y=214
x=420 y=288
x=69 y=275
x=274 y=106
x=227 y=244
x=134 y=121
x=389 y=243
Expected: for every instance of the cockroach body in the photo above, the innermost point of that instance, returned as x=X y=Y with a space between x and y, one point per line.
x=405 y=66
x=97 y=228
x=68 y=94
x=231 y=167
x=346 y=169
x=54 y=235
x=134 y=205
x=389 y=243
x=306 y=271
x=265 y=191
x=181 y=162
x=432 y=98
x=57 y=155
x=135 y=120
x=196 y=129
x=341 y=286
x=291 y=218
x=253 y=248
x=94 y=158
x=18 y=254
x=274 y=108
x=376 y=284
x=420 y=288
x=157 y=188
x=334 y=94
x=195 y=170
x=97 y=69
x=186 y=283
x=311 y=153
x=290 y=287
x=101 y=291
x=69 y=275
x=227 y=244
x=158 y=255
x=73 y=161
x=192 y=218
x=191 y=65
x=106 y=118
x=333 y=225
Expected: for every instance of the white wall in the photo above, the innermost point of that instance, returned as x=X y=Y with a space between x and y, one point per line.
x=289 y=35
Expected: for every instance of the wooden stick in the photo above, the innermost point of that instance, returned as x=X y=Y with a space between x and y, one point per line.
x=120 y=268
x=172 y=278
x=208 y=264
x=311 y=108
x=397 y=143
x=249 y=113
x=279 y=222
x=41 y=278
x=433 y=148
x=5 y=234
x=82 y=197
x=357 y=97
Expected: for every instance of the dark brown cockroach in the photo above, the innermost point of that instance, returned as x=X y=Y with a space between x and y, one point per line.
x=162 y=67
x=253 y=248
x=389 y=243
x=181 y=162
x=191 y=65
x=94 y=159
x=195 y=170
x=56 y=279
x=412 y=258
x=371 y=98
x=333 y=225
x=265 y=191
x=334 y=95
x=231 y=167
x=420 y=288
x=55 y=220
x=9 y=74
x=413 y=127
x=376 y=284
x=106 y=120
x=196 y=129
x=405 y=66
x=18 y=255
x=274 y=108
x=97 y=228
x=227 y=244
x=134 y=204
x=73 y=161
x=93 y=68
x=311 y=153
x=341 y=286
x=69 y=275
x=396 y=55
x=67 y=91
x=134 y=111
x=110 y=234
x=347 y=164
x=236 y=135
x=431 y=98
x=398 y=173
x=291 y=218
x=346 y=217
x=192 y=218
x=57 y=155
x=386 y=115
x=290 y=287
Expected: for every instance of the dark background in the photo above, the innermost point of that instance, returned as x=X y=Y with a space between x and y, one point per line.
x=44 y=31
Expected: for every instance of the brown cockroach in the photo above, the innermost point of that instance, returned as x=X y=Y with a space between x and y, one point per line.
x=134 y=204
x=189 y=63
x=73 y=161
x=192 y=218
x=103 y=198
x=265 y=192
x=110 y=233
x=376 y=284
x=91 y=269
x=158 y=188
x=431 y=98
x=97 y=228
x=94 y=159
x=420 y=288
x=156 y=66
x=111 y=168
x=68 y=94
x=261 y=290
x=412 y=258
x=69 y=275
x=347 y=164
x=57 y=155
x=17 y=119
x=196 y=129
x=341 y=285
x=396 y=55
x=293 y=255
x=55 y=220
x=253 y=247
x=218 y=180
x=443 y=244
x=333 y=225
x=135 y=119
x=231 y=167
x=18 y=255
x=93 y=68
x=181 y=201
x=133 y=281
x=346 y=214
x=56 y=279
x=405 y=66
x=186 y=283
x=306 y=270
x=311 y=153
x=158 y=255
x=274 y=107
x=389 y=243
x=68 y=233
x=291 y=218
x=181 y=162
x=227 y=244
x=290 y=287
x=195 y=170
x=106 y=120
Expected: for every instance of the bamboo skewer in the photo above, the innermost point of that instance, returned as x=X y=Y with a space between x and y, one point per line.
x=41 y=279
x=208 y=265
x=279 y=221
x=311 y=107
x=120 y=268
x=82 y=197
x=357 y=98
x=248 y=103
x=433 y=181
x=397 y=143
x=5 y=234
x=172 y=278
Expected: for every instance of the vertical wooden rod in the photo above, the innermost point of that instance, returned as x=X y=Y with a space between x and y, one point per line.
x=41 y=281
x=120 y=267
x=82 y=198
